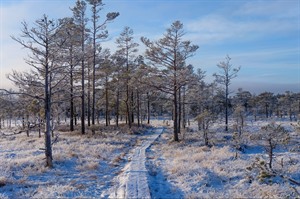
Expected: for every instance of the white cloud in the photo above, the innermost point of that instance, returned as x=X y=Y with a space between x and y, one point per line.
x=253 y=20
x=271 y=9
x=215 y=28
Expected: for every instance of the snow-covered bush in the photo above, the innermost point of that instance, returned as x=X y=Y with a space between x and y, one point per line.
x=273 y=135
x=205 y=121
x=260 y=170
x=239 y=115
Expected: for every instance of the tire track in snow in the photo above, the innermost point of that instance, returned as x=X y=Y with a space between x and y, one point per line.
x=133 y=183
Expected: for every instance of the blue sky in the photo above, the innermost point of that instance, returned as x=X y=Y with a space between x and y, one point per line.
x=263 y=37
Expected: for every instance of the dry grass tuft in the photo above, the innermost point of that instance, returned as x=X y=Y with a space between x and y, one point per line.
x=3 y=181
x=88 y=166
x=118 y=159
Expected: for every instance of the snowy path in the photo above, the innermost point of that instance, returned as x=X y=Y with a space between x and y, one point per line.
x=133 y=182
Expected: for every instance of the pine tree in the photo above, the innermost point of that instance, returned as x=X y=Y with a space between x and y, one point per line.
x=42 y=42
x=168 y=56
x=99 y=32
x=226 y=74
x=80 y=19
x=127 y=49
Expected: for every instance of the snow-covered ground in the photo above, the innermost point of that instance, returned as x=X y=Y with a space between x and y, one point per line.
x=189 y=169
x=84 y=165
x=108 y=163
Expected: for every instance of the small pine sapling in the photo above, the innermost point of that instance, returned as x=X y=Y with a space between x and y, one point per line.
x=239 y=115
x=296 y=126
x=273 y=135
x=205 y=121
x=262 y=171
x=237 y=142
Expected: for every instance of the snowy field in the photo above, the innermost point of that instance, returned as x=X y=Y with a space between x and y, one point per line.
x=189 y=169
x=88 y=166
x=84 y=165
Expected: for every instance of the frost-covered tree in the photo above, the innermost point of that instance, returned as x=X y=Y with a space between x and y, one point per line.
x=127 y=49
x=117 y=77
x=243 y=98
x=239 y=114
x=224 y=77
x=107 y=69
x=289 y=104
x=41 y=82
x=273 y=135
x=205 y=121
x=8 y=105
x=198 y=96
x=69 y=33
x=265 y=101
x=80 y=19
x=168 y=58
x=99 y=33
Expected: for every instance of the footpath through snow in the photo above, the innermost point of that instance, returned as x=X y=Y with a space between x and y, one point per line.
x=133 y=182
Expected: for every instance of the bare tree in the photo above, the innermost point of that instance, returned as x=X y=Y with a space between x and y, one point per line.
x=41 y=41
x=224 y=77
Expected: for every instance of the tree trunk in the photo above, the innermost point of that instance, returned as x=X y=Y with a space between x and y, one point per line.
x=226 y=107
x=71 y=104
x=89 y=98
x=175 y=114
x=270 y=153
x=82 y=76
x=179 y=109
x=75 y=117
x=183 y=109
x=117 y=107
x=94 y=73
x=138 y=108
x=82 y=99
x=23 y=122
x=132 y=106
x=128 y=115
x=28 y=125
x=39 y=118
x=106 y=102
x=205 y=131
x=48 y=147
x=148 y=108
x=52 y=125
